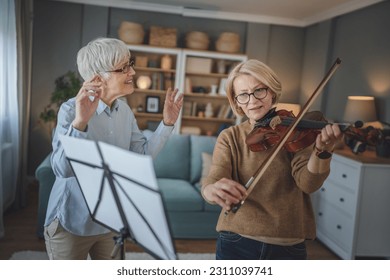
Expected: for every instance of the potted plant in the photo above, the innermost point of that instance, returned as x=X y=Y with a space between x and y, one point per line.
x=67 y=86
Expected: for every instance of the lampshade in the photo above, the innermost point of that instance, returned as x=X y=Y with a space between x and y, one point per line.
x=295 y=108
x=360 y=108
x=144 y=82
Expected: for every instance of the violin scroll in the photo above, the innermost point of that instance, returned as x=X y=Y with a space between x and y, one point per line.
x=357 y=138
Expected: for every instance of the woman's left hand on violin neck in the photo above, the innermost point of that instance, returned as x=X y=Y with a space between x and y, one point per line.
x=329 y=136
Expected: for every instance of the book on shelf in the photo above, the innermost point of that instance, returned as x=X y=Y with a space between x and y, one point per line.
x=187 y=108
x=225 y=112
x=190 y=108
x=221 y=111
x=194 y=109
x=230 y=115
x=228 y=112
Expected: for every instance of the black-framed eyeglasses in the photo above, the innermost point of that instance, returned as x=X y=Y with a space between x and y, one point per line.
x=259 y=94
x=125 y=69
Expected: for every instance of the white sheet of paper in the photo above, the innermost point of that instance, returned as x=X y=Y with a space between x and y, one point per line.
x=136 y=185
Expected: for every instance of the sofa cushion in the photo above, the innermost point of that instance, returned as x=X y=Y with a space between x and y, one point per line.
x=180 y=195
x=45 y=176
x=199 y=144
x=207 y=160
x=173 y=161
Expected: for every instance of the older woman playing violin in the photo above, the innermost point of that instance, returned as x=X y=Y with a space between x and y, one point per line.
x=277 y=215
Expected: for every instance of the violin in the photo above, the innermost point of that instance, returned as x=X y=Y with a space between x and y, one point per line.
x=268 y=133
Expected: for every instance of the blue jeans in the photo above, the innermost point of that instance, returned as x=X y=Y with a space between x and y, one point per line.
x=232 y=246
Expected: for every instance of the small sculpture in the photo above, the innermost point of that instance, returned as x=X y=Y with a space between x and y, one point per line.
x=209 y=110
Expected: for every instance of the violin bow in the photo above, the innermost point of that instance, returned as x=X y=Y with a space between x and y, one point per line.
x=266 y=163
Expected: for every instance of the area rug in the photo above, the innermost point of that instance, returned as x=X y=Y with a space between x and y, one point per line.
x=37 y=255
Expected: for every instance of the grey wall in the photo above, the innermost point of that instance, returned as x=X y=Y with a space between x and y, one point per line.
x=56 y=40
x=285 y=58
x=315 y=62
x=60 y=30
x=300 y=56
x=362 y=40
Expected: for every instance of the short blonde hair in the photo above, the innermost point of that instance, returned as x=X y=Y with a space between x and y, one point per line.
x=260 y=72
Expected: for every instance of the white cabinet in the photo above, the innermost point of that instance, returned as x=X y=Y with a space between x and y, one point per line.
x=352 y=207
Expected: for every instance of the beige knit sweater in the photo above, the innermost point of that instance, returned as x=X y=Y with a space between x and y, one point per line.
x=279 y=205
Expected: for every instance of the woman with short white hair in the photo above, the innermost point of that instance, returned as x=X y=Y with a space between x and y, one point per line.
x=97 y=113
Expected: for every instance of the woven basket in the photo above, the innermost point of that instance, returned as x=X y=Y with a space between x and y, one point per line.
x=228 y=42
x=131 y=33
x=197 y=40
x=160 y=36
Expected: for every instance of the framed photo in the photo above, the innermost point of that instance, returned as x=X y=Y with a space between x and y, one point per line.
x=152 y=104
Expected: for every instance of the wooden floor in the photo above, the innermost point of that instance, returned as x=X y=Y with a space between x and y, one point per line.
x=20 y=235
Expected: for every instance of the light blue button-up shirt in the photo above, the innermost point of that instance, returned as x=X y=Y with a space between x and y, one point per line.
x=116 y=126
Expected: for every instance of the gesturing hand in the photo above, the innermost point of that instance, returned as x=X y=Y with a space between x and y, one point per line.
x=87 y=100
x=172 y=106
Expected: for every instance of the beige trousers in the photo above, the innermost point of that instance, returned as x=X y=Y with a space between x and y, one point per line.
x=62 y=245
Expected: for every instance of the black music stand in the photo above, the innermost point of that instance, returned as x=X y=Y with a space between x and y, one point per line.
x=128 y=200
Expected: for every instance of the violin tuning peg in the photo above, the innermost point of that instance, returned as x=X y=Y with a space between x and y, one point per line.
x=358 y=124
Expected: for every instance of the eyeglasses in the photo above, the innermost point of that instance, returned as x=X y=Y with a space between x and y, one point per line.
x=125 y=69
x=259 y=94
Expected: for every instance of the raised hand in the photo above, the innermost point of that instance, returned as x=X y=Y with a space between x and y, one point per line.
x=87 y=100
x=172 y=106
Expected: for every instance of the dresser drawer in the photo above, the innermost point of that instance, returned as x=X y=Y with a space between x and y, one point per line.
x=335 y=225
x=339 y=196
x=344 y=174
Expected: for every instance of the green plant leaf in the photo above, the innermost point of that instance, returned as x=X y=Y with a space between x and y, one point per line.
x=66 y=87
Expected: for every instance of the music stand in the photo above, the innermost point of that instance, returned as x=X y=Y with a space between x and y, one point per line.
x=128 y=200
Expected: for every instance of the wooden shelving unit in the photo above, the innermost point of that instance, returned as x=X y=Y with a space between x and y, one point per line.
x=207 y=75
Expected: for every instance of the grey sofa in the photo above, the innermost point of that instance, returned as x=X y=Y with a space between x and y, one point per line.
x=178 y=170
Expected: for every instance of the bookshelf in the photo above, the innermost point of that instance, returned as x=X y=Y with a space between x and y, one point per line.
x=199 y=75
x=202 y=79
x=156 y=69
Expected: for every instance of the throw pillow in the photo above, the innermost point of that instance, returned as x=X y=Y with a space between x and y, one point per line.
x=206 y=164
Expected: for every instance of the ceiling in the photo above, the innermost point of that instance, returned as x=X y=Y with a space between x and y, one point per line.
x=282 y=12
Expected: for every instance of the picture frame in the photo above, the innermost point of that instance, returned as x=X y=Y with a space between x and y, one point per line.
x=152 y=104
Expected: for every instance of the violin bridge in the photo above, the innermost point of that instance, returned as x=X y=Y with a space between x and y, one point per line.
x=275 y=122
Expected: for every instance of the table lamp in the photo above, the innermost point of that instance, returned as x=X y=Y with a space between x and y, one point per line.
x=291 y=107
x=360 y=108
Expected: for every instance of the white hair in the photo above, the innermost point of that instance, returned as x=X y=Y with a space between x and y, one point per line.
x=100 y=55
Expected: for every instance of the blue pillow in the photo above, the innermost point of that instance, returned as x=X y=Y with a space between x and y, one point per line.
x=173 y=161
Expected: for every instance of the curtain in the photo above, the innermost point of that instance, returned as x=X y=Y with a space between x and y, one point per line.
x=9 y=109
x=24 y=31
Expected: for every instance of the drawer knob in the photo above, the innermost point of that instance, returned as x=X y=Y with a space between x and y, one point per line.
x=341 y=199
x=338 y=227
x=323 y=189
x=319 y=213
x=344 y=175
